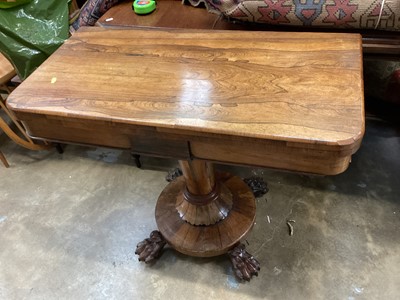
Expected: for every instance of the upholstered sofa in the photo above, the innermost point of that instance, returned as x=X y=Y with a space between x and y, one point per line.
x=366 y=14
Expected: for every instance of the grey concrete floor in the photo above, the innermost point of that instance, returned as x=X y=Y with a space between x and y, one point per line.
x=69 y=225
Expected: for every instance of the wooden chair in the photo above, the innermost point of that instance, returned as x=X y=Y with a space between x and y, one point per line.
x=7 y=72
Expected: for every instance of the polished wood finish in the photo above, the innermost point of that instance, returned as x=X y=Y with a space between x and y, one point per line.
x=206 y=241
x=207 y=209
x=259 y=98
x=199 y=176
x=172 y=14
x=203 y=201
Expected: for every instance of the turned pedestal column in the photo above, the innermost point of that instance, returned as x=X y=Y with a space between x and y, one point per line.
x=205 y=213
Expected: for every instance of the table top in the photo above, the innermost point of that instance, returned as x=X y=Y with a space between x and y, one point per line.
x=302 y=87
x=173 y=14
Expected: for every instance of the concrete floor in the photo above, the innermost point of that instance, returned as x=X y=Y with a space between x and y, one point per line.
x=69 y=225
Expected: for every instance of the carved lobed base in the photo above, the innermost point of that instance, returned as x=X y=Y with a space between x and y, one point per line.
x=204 y=224
x=212 y=240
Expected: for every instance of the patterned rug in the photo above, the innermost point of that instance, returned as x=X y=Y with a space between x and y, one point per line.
x=371 y=14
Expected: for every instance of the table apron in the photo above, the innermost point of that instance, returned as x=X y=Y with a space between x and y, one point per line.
x=153 y=141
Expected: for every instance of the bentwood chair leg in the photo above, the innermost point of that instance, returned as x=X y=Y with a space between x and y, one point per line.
x=16 y=122
x=4 y=160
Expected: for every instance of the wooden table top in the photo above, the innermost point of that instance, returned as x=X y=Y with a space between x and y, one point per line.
x=278 y=86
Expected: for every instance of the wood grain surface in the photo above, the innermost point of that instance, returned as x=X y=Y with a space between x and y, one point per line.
x=7 y=70
x=199 y=176
x=172 y=14
x=203 y=201
x=301 y=91
x=212 y=240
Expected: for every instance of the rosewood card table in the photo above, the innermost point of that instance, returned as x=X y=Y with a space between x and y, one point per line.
x=280 y=100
